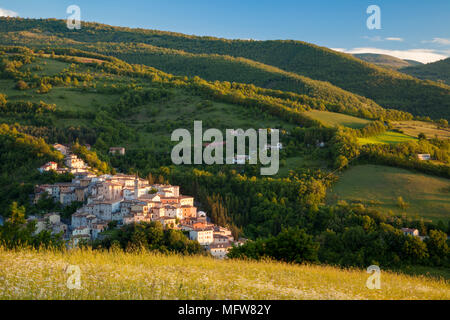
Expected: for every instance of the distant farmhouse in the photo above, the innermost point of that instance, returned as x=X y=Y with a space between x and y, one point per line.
x=410 y=232
x=278 y=146
x=424 y=157
x=117 y=151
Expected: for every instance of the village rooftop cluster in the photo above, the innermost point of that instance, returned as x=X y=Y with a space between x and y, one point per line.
x=124 y=199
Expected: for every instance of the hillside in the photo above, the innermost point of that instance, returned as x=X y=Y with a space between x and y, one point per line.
x=380 y=187
x=69 y=96
x=227 y=68
x=384 y=60
x=413 y=62
x=85 y=102
x=414 y=128
x=387 y=88
x=207 y=66
x=42 y=275
x=21 y=155
x=436 y=71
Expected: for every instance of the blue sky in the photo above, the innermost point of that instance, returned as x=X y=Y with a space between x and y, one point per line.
x=411 y=29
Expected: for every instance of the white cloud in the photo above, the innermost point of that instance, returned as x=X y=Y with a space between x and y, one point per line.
x=7 y=13
x=422 y=55
x=393 y=39
x=442 y=41
x=375 y=38
x=378 y=38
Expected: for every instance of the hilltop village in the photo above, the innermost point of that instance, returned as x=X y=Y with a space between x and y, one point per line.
x=123 y=199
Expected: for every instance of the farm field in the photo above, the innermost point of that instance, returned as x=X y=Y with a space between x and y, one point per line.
x=117 y=275
x=386 y=138
x=47 y=67
x=302 y=161
x=332 y=119
x=414 y=128
x=78 y=59
x=67 y=99
x=380 y=186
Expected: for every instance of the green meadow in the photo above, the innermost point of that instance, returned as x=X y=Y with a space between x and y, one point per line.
x=332 y=119
x=47 y=66
x=386 y=138
x=380 y=187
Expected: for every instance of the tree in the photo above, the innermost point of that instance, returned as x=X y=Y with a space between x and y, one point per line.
x=290 y=245
x=21 y=85
x=415 y=250
x=438 y=247
x=44 y=88
x=3 y=100
x=150 y=236
x=341 y=162
x=443 y=123
x=17 y=214
x=293 y=245
x=112 y=225
x=15 y=232
x=402 y=204
x=422 y=136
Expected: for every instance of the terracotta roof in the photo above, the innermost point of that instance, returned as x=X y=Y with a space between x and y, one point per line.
x=219 y=236
x=203 y=229
x=409 y=230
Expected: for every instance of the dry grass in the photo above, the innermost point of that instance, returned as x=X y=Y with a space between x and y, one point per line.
x=28 y=274
x=414 y=128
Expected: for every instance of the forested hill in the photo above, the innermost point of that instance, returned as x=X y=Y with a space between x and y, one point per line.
x=384 y=60
x=388 y=88
x=437 y=71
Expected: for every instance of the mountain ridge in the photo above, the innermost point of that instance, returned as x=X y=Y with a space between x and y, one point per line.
x=436 y=71
x=387 y=88
x=387 y=61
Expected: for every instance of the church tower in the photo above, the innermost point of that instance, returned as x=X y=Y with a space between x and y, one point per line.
x=136 y=187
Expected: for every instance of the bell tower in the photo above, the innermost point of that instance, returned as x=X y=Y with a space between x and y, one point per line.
x=136 y=187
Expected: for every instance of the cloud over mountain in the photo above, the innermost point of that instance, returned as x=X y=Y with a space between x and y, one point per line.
x=7 y=13
x=421 y=55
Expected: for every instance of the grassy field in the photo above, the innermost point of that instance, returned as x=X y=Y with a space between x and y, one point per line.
x=48 y=67
x=103 y=275
x=414 y=128
x=301 y=161
x=435 y=272
x=332 y=119
x=78 y=59
x=380 y=186
x=386 y=138
x=71 y=99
